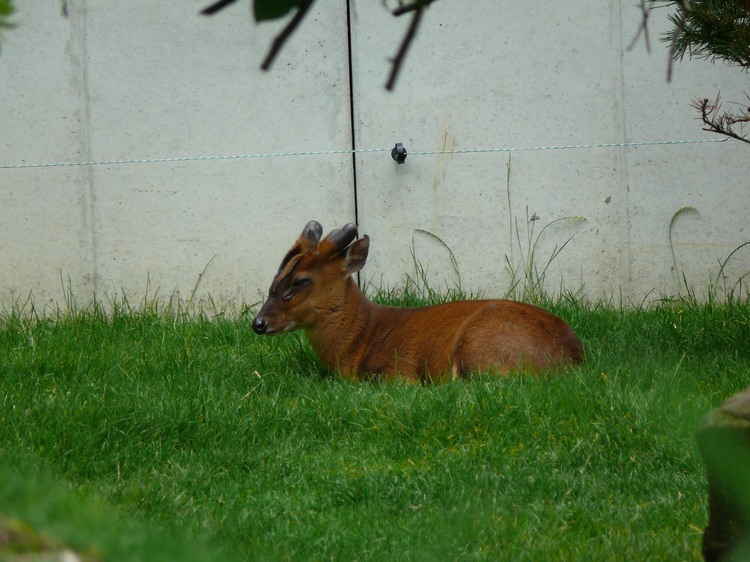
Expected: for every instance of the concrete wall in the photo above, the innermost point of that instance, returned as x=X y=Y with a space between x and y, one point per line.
x=153 y=80
x=504 y=74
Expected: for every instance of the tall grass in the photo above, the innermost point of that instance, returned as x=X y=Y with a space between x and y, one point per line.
x=527 y=272
x=225 y=445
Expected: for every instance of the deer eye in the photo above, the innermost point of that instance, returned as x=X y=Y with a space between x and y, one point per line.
x=298 y=283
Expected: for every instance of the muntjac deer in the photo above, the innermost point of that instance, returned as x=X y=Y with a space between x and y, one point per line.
x=313 y=291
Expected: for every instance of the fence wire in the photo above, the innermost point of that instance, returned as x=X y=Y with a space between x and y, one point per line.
x=356 y=151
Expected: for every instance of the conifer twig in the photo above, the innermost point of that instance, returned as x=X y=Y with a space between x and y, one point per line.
x=723 y=123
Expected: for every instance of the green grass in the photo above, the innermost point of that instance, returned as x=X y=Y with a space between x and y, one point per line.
x=161 y=436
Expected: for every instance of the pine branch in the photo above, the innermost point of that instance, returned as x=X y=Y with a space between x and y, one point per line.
x=711 y=29
x=723 y=123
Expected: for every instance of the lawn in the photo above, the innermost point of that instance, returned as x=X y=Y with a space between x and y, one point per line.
x=149 y=435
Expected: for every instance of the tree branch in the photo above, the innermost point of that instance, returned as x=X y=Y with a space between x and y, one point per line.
x=216 y=6
x=401 y=10
x=281 y=38
x=722 y=123
x=418 y=9
x=643 y=29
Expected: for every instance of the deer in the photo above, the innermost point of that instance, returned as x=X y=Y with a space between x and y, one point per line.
x=314 y=291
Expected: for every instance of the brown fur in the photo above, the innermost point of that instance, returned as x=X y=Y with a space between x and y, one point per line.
x=314 y=291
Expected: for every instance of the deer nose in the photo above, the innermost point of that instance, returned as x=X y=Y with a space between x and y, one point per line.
x=260 y=326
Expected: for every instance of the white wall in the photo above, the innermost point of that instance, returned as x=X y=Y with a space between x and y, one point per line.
x=505 y=74
x=152 y=80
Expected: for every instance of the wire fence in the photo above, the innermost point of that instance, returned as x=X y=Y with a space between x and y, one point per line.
x=356 y=151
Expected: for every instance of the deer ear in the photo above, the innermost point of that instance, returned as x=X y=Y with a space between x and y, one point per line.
x=356 y=255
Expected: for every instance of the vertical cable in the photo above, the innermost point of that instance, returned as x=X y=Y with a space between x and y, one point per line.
x=351 y=117
x=351 y=109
